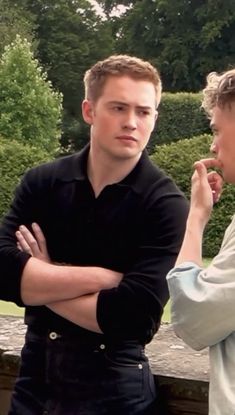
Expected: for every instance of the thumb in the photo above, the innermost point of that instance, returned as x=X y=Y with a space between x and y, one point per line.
x=200 y=169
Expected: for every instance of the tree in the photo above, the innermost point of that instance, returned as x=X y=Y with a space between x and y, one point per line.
x=15 y=19
x=185 y=39
x=111 y=6
x=15 y=159
x=29 y=108
x=71 y=38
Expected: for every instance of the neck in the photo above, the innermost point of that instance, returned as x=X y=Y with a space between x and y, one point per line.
x=103 y=170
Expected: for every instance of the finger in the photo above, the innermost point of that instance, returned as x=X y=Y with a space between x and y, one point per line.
x=22 y=244
x=210 y=163
x=215 y=175
x=30 y=240
x=40 y=238
x=215 y=180
x=216 y=185
x=201 y=178
x=19 y=246
x=200 y=170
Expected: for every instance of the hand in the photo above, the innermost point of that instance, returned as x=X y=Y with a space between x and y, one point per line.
x=34 y=244
x=206 y=188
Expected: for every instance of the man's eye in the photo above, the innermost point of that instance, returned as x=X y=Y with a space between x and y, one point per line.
x=144 y=112
x=118 y=108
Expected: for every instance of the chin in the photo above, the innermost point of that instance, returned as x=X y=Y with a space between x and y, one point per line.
x=128 y=153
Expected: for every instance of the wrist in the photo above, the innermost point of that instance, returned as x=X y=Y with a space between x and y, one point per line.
x=196 y=221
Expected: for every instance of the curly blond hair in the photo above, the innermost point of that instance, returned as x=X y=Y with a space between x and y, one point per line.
x=120 y=65
x=219 y=91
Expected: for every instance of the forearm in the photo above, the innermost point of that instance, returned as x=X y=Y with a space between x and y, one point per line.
x=80 y=311
x=191 y=249
x=44 y=283
x=205 y=191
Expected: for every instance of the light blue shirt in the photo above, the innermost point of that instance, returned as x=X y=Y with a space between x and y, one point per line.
x=203 y=314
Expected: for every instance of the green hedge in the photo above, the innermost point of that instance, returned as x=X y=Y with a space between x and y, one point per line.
x=180 y=116
x=177 y=159
x=15 y=159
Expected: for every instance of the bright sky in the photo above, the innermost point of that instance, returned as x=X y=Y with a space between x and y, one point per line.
x=120 y=9
x=97 y=7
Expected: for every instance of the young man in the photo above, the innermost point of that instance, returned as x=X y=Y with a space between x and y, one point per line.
x=113 y=224
x=203 y=299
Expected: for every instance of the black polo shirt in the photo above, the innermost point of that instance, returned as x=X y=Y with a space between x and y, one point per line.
x=135 y=227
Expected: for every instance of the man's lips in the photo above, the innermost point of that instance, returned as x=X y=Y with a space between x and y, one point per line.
x=126 y=137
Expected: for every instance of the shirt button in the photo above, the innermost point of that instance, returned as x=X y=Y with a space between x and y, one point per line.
x=140 y=366
x=53 y=335
x=102 y=346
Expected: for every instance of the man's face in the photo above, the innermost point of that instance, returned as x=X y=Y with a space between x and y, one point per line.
x=223 y=146
x=122 y=118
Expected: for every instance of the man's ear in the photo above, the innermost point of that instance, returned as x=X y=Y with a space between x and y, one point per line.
x=155 y=120
x=87 y=111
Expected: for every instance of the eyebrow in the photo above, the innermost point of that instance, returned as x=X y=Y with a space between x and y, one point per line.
x=144 y=107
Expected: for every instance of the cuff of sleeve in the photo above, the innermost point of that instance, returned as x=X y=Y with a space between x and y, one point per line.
x=184 y=266
x=13 y=283
x=106 y=310
x=184 y=318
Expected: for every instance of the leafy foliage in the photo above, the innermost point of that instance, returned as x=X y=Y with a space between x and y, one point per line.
x=185 y=39
x=15 y=159
x=15 y=19
x=177 y=159
x=180 y=116
x=29 y=108
x=71 y=38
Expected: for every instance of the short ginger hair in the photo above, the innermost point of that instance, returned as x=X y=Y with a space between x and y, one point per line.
x=219 y=91
x=120 y=65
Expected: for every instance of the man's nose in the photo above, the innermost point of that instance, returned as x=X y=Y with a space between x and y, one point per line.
x=130 y=121
x=213 y=148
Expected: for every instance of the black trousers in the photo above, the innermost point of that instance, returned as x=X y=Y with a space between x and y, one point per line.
x=60 y=375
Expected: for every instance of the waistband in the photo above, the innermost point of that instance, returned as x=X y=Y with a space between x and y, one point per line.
x=90 y=339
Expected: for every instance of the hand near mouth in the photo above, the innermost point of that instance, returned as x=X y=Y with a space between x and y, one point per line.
x=210 y=163
x=206 y=189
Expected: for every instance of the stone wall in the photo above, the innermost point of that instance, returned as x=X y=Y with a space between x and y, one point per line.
x=181 y=372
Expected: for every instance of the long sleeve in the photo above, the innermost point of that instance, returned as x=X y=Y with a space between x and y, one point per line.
x=203 y=299
x=12 y=261
x=135 y=307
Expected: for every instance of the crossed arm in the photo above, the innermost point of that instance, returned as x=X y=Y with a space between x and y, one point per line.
x=69 y=291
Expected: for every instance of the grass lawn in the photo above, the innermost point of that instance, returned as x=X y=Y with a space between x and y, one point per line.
x=166 y=318
x=206 y=261
x=10 y=309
